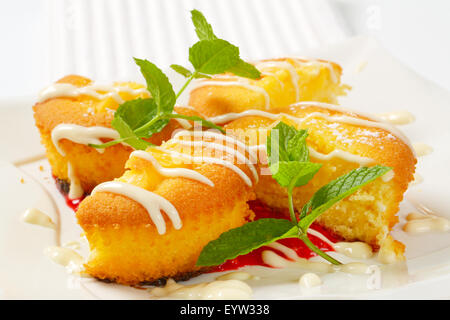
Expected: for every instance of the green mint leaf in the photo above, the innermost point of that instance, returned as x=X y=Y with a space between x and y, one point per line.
x=127 y=134
x=136 y=114
x=244 y=69
x=202 y=27
x=296 y=147
x=213 y=56
x=294 y=173
x=244 y=239
x=285 y=143
x=158 y=85
x=337 y=190
x=181 y=70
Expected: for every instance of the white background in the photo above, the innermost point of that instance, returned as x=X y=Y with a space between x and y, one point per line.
x=415 y=31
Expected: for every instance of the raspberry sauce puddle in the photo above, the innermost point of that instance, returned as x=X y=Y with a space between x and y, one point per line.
x=254 y=258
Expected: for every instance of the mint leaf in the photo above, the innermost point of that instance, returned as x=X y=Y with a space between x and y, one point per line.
x=135 y=114
x=337 y=190
x=159 y=86
x=202 y=27
x=285 y=143
x=213 y=56
x=244 y=69
x=205 y=32
x=181 y=70
x=294 y=173
x=244 y=239
x=127 y=134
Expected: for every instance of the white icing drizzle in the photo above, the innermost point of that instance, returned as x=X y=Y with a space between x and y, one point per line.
x=241 y=157
x=356 y=249
x=309 y=280
x=152 y=202
x=423 y=223
x=172 y=172
x=75 y=190
x=68 y=90
x=344 y=155
x=220 y=137
x=228 y=164
x=422 y=149
x=73 y=244
x=388 y=176
x=217 y=161
x=274 y=260
x=81 y=135
x=398 y=117
x=215 y=290
x=373 y=122
x=337 y=153
x=315 y=62
x=37 y=217
x=65 y=257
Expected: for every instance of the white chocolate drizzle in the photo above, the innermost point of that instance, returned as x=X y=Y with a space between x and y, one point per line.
x=215 y=290
x=356 y=249
x=240 y=156
x=398 y=117
x=81 y=135
x=37 y=217
x=65 y=257
x=275 y=260
x=309 y=280
x=152 y=202
x=93 y=90
x=75 y=190
x=172 y=172
x=423 y=223
x=422 y=149
x=372 y=122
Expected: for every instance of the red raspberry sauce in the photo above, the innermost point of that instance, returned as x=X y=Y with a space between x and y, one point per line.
x=254 y=258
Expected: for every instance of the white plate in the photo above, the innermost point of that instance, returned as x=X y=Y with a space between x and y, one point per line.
x=380 y=84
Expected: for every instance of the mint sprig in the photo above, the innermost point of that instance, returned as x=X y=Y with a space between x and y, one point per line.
x=254 y=235
x=139 y=119
x=243 y=240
